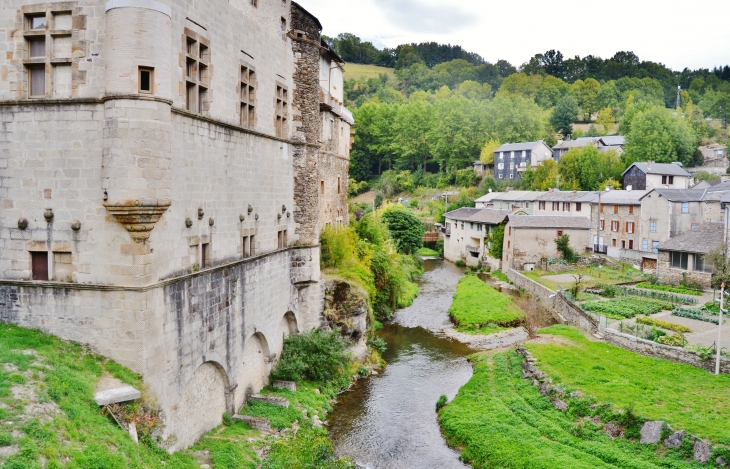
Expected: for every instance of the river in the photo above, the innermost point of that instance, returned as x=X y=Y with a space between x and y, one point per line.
x=388 y=421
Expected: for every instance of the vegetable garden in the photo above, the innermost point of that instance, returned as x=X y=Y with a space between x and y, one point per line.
x=624 y=308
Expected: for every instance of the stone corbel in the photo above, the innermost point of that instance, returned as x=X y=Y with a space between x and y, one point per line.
x=138 y=216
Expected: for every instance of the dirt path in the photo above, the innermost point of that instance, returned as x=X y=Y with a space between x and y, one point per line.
x=487 y=342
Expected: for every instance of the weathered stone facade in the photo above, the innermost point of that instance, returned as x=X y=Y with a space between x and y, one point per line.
x=173 y=227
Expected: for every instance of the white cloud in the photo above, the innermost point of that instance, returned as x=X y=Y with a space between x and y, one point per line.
x=674 y=33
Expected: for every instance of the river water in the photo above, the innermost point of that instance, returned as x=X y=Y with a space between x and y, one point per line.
x=388 y=421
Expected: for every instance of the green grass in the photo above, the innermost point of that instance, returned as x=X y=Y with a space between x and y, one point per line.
x=499 y=275
x=668 y=288
x=426 y=252
x=498 y=420
x=358 y=71
x=623 y=308
x=688 y=398
x=488 y=329
x=476 y=303
x=79 y=435
x=605 y=275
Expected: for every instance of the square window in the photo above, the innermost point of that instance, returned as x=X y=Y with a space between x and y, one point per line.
x=145 y=79
x=37 y=22
x=560 y=233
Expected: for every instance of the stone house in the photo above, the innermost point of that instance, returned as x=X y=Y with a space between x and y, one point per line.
x=530 y=239
x=467 y=232
x=165 y=171
x=715 y=160
x=513 y=201
x=512 y=159
x=650 y=175
x=666 y=213
x=612 y=142
x=615 y=221
x=684 y=256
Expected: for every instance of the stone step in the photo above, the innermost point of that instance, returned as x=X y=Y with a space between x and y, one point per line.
x=113 y=396
x=274 y=400
x=290 y=385
x=257 y=423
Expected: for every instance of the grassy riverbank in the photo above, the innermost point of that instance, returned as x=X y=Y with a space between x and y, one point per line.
x=48 y=417
x=686 y=397
x=477 y=305
x=500 y=420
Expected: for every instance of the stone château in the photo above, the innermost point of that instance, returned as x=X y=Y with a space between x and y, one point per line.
x=166 y=167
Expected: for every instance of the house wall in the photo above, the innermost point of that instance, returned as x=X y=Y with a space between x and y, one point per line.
x=585 y=209
x=635 y=178
x=654 y=181
x=623 y=239
x=465 y=235
x=530 y=245
x=670 y=221
x=668 y=274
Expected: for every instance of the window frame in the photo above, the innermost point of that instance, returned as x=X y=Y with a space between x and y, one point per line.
x=685 y=207
x=652 y=226
x=151 y=71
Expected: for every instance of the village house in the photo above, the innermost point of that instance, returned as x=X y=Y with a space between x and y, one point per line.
x=612 y=142
x=563 y=146
x=651 y=175
x=512 y=159
x=513 y=201
x=715 y=160
x=165 y=171
x=467 y=232
x=529 y=240
x=563 y=203
x=684 y=257
x=615 y=221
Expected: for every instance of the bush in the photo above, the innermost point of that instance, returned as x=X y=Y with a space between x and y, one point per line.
x=393 y=182
x=496 y=237
x=413 y=203
x=460 y=263
x=318 y=356
x=405 y=228
x=467 y=177
x=378 y=344
x=441 y=402
x=563 y=245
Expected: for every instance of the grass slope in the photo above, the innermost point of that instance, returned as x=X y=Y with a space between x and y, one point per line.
x=358 y=71
x=687 y=397
x=500 y=420
x=478 y=304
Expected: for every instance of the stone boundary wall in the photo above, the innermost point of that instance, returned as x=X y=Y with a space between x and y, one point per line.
x=565 y=311
x=568 y=313
x=667 y=352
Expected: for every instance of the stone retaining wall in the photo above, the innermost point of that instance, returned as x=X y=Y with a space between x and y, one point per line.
x=564 y=311
x=667 y=352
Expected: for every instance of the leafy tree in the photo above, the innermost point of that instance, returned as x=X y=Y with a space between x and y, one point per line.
x=586 y=168
x=458 y=134
x=542 y=177
x=609 y=96
x=610 y=182
x=563 y=245
x=474 y=91
x=405 y=228
x=550 y=92
x=700 y=176
x=467 y=177
x=410 y=129
x=586 y=95
x=606 y=119
x=514 y=119
x=318 y=355
x=657 y=134
x=564 y=114
x=520 y=85
x=408 y=56
x=487 y=154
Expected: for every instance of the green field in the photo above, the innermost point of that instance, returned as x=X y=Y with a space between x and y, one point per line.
x=498 y=420
x=358 y=71
x=426 y=252
x=478 y=304
x=688 y=398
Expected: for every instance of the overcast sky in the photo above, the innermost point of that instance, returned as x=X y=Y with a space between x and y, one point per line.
x=693 y=33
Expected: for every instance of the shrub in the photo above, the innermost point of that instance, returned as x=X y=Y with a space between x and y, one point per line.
x=496 y=237
x=378 y=344
x=460 y=263
x=413 y=203
x=670 y=326
x=354 y=188
x=676 y=340
x=392 y=182
x=467 y=177
x=442 y=401
x=318 y=356
x=499 y=275
x=405 y=228
x=563 y=245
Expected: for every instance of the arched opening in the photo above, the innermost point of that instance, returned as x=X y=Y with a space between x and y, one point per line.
x=254 y=371
x=289 y=324
x=201 y=407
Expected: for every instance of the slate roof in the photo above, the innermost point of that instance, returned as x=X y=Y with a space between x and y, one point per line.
x=613 y=140
x=577 y=143
x=721 y=187
x=539 y=221
x=703 y=239
x=489 y=216
x=681 y=195
x=561 y=196
x=462 y=214
x=519 y=146
x=622 y=197
x=665 y=169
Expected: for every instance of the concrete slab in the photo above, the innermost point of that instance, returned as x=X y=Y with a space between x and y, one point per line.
x=112 y=396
